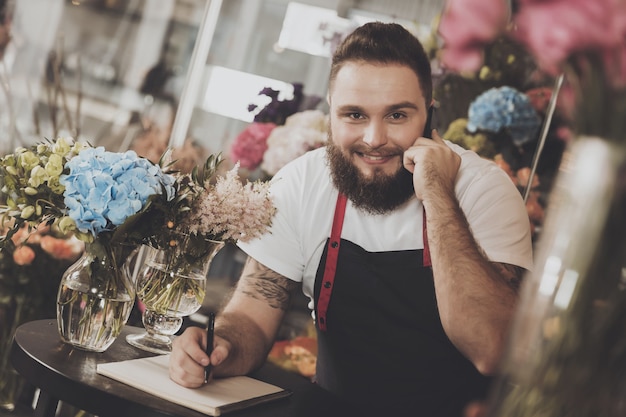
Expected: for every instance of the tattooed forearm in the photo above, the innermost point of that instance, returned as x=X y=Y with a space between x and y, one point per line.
x=262 y=283
x=512 y=274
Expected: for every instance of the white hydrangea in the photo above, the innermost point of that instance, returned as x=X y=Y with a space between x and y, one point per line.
x=301 y=133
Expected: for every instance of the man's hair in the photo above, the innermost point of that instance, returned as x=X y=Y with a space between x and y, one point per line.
x=385 y=43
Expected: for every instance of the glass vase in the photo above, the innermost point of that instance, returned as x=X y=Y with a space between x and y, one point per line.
x=95 y=297
x=567 y=350
x=171 y=285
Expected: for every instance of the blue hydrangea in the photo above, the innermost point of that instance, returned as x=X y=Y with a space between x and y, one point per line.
x=504 y=108
x=104 y=188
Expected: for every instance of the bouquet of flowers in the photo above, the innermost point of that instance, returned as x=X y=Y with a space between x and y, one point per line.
x=76 y=187
x=116 y=202
x=91 y=193
x=207 y=210
x=120 y=197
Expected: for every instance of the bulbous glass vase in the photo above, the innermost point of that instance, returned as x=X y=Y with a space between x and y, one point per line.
x=171 y=284
x=95 y=297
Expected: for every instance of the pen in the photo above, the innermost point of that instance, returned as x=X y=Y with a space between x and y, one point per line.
x=210 y=332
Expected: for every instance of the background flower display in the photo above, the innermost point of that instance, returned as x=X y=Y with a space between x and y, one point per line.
x=152 y=143
x=281 y=131
x=502 y=124
x=585 y=40
x=28 y=276
x=277 y=110
x=302 y=132
x=250 y=145
x=492 y=98
x=507 y=109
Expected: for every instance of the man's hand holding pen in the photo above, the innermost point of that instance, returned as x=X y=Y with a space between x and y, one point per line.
x=190 y=363
x=210 y=340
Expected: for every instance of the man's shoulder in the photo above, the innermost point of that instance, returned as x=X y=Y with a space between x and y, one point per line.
x=311 y=166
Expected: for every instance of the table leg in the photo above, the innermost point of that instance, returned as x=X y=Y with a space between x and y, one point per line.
x=46 y=405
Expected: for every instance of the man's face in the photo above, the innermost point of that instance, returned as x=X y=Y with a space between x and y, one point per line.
x=376 y=113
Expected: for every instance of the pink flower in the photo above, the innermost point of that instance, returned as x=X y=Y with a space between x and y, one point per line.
x=250 y=145
x=539 y=98
x=23 y=255
x=67 y=249
x=615 y=64
x=466 y=27
x=555 y=30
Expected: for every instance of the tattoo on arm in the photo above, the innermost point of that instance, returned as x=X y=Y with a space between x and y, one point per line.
x=512 y=274
x=262 y=283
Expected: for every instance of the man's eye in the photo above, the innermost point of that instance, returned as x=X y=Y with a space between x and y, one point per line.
x=396 y=116
x=355 y=116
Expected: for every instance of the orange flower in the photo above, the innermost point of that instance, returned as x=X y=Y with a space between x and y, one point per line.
x=523 y=175
x=23 y=255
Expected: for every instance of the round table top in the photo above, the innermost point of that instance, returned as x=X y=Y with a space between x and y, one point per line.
x=69 y=374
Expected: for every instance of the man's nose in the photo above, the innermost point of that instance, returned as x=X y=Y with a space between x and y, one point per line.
x=375 y=135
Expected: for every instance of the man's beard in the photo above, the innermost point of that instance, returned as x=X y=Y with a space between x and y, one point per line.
x=377 y=195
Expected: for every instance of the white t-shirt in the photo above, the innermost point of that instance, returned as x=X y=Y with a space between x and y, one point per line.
x=305 y=199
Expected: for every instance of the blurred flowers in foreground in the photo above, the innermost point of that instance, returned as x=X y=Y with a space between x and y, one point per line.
x=569 y=328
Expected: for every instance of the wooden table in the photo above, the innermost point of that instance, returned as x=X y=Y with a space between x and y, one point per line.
x=67 y=374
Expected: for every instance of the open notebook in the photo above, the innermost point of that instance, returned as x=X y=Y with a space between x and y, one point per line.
x=219 y=396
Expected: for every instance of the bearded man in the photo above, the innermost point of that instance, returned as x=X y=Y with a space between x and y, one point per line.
x=410 y=249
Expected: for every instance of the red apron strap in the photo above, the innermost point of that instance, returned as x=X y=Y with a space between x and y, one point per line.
x=330 y=267
x=426 y=254
x=331 y=262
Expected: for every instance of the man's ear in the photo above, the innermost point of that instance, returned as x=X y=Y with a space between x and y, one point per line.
x=328 y=98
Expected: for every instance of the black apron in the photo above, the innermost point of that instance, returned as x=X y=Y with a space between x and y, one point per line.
x=381 y=345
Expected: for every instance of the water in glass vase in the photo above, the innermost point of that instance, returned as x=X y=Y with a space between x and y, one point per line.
x=91 y=322
x=170 y=293
x=171 y=285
